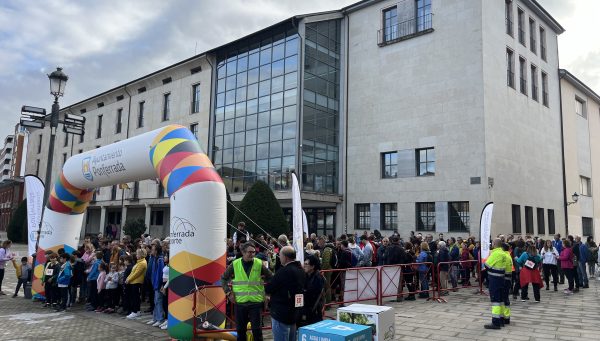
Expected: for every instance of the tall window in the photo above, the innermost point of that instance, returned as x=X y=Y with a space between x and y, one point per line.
x=580 y=107
x=161 y=190
x=119 y=118
x=136 y=190
x=195 y=98
x=66 y=140
x=64 y=158
x=542 y=43
x=521 y=25
x=528 y=219
x=540 y=221
x=551 y=227
x=194 y=129
x=166 y=106
x=532 y=33
x=389 y=216
x=425 y=161
x=425 y=216
x=458 y=216
x=389 y=165
x=113 y=192
x=509 y=17
x=423 y=15
x=516 y=219
x=99 y=127
x=37 y=167
x=534 y=83
x=523 y=75
x=510 y=68
x=587 y=225
x=140 y=120
x=39 y=147
x=390 y=23
x=585 y=186
x=362 y=214
x=81 y=138
x=544 y=88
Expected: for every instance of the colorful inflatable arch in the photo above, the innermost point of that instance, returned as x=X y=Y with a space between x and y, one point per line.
x=198 y=213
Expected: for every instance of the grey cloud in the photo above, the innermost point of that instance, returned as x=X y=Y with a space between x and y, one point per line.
x=587 y=69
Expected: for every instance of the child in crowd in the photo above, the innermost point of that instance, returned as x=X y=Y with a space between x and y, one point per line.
x=64 y=280
x=23 y=274
x=78 y=277
x=92 y=281
x=49 y=280
x=100 y=286
x=126 y=302
x=165 y=291
x=112 y=282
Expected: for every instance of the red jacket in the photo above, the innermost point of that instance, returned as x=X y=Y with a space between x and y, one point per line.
x=566 y=258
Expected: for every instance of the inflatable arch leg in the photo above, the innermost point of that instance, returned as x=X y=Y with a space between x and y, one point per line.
x=198 y=213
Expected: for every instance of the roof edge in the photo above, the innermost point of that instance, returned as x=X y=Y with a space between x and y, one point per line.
x=543 y=14
x=581 y=86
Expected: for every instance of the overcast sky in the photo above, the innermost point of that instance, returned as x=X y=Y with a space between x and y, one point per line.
x=102 y=44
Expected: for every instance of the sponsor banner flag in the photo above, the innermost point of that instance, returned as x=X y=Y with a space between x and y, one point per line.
x=486 y=229
x=298 y=239
x=34 y=192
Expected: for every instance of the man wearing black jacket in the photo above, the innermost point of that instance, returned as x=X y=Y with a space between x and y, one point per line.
x=286 y=293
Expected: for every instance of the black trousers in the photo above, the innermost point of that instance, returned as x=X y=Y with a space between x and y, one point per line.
x=550 y=269
x=126 y=301
x=570 y=273
x=536 y=291
x=1 y=278
x=136 y=292
x=93 y=293
x=64 y=297
x=19 y=283
x=248 y=312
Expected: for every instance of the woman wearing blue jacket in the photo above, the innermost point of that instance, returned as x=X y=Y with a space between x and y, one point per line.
x=64 y=280
x=423 y=269
x=530 y=261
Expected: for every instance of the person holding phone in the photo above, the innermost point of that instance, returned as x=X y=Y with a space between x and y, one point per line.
x=5 y=256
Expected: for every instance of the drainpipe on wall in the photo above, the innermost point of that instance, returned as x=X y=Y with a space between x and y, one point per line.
x=562 y=149
x=128 y=111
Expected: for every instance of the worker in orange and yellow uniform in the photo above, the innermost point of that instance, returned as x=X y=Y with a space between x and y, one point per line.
x=495 y=266
x=508 y=270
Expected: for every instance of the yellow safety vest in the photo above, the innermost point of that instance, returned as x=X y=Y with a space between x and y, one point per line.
x=248 y=289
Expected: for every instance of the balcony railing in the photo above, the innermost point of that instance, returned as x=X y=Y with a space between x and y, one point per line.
x=404 y=30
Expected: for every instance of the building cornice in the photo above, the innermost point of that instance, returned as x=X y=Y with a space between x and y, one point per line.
x=579 y=85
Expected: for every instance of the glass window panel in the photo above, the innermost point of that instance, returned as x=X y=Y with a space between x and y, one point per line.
x=238 y=154
x=265 y=72
x=240 y=94
x=291 y=64
x=275 y=164
x=289 y=97
x=251 y=152
x=264 y=103
x=263 y=119
x=221 y=71
x=219 y=128
x=251 y=121
x=229 y=111
x=242 y=79
x=252 y=91
x=263 y=135
x=431 y=167
x=227 y=141
x=275 y=149
x=291 y=80
x=253 y=60
x=289 y=147
x=240 y=109
x=430 y=154
x=229 y=126
x=218 y=157
x=278 y=51
x=289 y=113
x=219 y=141
x=262 y=151
x=278 y=68
x=240 y=124
x=227 y=155
x=250 y=166
x=276 y=131
x=288 y=163
x=252 y=107
x=230 y=82
x=264 y=88
x=277 y=100
x=220 y=113
x=251 y=136
x=276 y=115
x=265 y=56
x=277 y=84
x=262 y=167
x=289 y=130
x=291 y=47
x=253 y=75
x=220 y=99
x=220 y=86
x=242 y=64
x=230 y=97
x=231 y=68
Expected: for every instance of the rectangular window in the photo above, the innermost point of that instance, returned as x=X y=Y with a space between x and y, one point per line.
x=99 y=127
x=156 y=218
x=81 y=138
x=521 y=25
x=389 y=165
x=195 y=98
x=425 y=216
x=113 y=192
x=510 y=68
x=516 y=219
x=585 y=186
x=587 y=225
x=540 y=221
x=423 y=15
x=544 y=88
x=37 y=167
x=119 y=118
x=39 y=147
x=509 y=17
x=194 y=129
x=64 y=158
x=362 y=216
x=523 y=75
x=542 y=43
x=136 y=190
x=161 y=190
x=532 y=33
x=166 y=106
x=66 y=140
x=458 y=216
x=140 y=120
x=425 y=161
x=534 y=83
x=80 y=151
x=528 y=220
x=389 y=216
x=580 y=107
x=390 y=23
x=551 y=227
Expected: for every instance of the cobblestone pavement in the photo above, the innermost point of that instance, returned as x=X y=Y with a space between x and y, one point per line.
x=557 y=317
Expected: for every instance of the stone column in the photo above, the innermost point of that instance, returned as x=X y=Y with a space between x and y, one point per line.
x=147 y=217
x=102 y=219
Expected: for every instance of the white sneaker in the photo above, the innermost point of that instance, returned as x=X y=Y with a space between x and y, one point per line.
x=133 y=316
x=156 y=324
x=165 y=325
x=151 y=322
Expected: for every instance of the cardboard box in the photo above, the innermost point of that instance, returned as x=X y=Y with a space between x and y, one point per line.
x=330 y=330
x=379 y=318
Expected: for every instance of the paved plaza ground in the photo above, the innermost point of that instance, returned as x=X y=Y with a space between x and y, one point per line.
x=557 y=317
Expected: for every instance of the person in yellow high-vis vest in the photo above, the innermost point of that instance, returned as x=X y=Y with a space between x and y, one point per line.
x=508 y=270
x=495 y=266
x=247 y=292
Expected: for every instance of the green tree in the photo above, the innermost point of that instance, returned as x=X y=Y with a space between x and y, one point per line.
x=134 y=227
x=261 y=206
x=17 y=227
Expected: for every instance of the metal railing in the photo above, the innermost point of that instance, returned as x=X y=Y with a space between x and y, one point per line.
x=400 y=31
